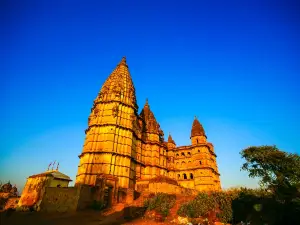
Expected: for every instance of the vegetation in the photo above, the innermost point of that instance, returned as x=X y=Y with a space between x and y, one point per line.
x=161 y=203
x=214 y=205
x=276 y=202
x=279 y=172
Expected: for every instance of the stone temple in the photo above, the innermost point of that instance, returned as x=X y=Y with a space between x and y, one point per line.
x=130 y=145
x=124 y=157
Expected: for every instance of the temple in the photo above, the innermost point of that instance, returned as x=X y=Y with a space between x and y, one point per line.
x=124 y=158
x=129 y=146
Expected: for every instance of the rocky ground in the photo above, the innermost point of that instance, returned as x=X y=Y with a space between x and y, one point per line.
x=119 y=214
x=79 y=218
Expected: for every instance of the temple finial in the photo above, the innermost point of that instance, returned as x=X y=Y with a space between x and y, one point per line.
x=195 y=117
x=146 y=102
x=53 y=164
x=123 y=61
x=57 y=166
x=49 y=166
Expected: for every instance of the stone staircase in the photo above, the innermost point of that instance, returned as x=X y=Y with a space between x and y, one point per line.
x=139 y=202
x=114 y=209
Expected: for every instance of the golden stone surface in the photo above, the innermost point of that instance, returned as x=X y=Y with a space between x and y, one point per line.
x=131 y=146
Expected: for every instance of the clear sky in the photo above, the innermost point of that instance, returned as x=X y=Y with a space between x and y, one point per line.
x=234 y=64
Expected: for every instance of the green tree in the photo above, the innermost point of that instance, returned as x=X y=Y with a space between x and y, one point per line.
x=279 y=172
x=273 y=166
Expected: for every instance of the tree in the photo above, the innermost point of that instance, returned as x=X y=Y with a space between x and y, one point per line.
x=273 y=166
x=279 y=171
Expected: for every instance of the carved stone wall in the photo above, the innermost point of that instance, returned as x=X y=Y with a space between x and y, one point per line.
x=131 y=146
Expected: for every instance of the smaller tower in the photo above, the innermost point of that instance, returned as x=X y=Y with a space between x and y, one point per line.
x=171 y=142
x=197 y=134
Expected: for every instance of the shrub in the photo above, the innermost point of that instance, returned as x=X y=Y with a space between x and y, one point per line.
x=198 y=207
x=161 y=203
x=215 y=204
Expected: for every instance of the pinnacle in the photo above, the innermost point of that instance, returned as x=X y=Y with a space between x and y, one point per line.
x=197 y=128
x=123 y=61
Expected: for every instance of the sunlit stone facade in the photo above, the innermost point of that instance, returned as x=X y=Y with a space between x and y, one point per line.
x=128 y=145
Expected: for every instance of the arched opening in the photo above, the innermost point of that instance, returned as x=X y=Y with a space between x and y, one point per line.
x=189 y=154
x=200 y=162
x=189 y=162
x=184 y=176
x=182 y=163
x=178 y=176
x=58 y=186
x=197 y=140
x=191 y=176
x=182 y=154
x=177 y=155
x=198 y=150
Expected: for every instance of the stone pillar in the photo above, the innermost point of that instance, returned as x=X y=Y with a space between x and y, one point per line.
x=129 y=196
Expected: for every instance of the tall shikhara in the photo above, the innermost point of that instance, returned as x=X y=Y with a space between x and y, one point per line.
x=130 y=146
x=112 y=144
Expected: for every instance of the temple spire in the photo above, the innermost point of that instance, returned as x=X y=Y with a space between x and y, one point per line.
x=118 y=87
x=197 y=128
x=123 y=61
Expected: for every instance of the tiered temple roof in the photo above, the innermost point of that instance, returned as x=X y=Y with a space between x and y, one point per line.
x=197 y=129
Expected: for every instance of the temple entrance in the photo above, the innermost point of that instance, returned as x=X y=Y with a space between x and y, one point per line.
x=107 y=198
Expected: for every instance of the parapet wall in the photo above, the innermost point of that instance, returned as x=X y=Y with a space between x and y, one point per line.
x=165 y=186
x=60 y=199
x=170 y=189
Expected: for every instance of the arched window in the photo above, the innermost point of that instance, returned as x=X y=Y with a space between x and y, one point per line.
x=197 y=140
x=177 y=154
x=184 y=176
x=200 y=162
x=191 y=176
x=189 y=154
x=178 y=176
x=58 y=185
x=183 y=163
x=189 y=162
x=198 y=150
x=182 y=153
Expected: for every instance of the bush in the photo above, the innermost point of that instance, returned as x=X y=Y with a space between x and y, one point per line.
x=199 y=207
x=161 y=203
x=215 y=204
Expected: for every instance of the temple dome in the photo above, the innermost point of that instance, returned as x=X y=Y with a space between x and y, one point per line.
x=197 y=129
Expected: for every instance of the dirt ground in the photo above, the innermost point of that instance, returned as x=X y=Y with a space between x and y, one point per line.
x=78 y=218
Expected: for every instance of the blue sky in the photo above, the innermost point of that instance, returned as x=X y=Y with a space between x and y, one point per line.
x=234 y=64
